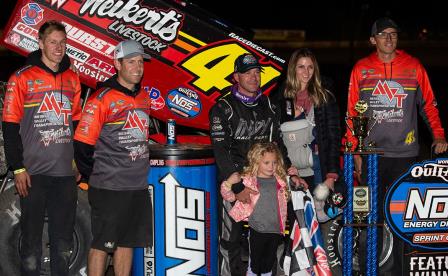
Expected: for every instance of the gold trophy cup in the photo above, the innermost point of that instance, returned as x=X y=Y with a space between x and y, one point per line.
x=360 y=123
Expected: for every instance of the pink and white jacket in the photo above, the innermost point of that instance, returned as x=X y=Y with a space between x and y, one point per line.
x=241 y=211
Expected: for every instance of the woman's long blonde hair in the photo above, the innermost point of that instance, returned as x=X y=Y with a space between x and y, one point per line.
x=316 y=92
x=256 y=152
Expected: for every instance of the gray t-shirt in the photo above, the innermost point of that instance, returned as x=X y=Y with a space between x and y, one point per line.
x=265 y=217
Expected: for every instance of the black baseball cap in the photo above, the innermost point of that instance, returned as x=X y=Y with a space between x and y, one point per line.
x=245 y=62
x=383 y=23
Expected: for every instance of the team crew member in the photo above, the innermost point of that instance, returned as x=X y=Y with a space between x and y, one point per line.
x=42 y=103
x=395 y=86
x=240 y=119
x=111 y=151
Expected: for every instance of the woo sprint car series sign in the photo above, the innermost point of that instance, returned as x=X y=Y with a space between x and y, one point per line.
x=190 y=53
x=417 y=205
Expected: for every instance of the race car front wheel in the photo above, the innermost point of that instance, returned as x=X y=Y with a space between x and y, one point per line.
x=10 y=235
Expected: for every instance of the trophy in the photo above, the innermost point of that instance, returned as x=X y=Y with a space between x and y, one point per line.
x=361 y=212
x=360 y=125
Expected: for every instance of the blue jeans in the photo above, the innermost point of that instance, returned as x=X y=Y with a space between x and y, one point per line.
x=316 y=168
x=316 y=178
x=57 y=196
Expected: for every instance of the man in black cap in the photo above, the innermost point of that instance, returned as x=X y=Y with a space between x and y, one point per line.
x=395 y=86
x=239 y=119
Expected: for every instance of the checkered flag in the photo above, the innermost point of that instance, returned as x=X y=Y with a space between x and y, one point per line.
x=305 y=252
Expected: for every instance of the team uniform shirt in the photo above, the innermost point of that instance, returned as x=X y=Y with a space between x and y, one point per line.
x=393 y=92
x=116 y=124
x=45 y=104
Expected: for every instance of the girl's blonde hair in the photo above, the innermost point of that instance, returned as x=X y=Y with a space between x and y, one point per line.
x=316 y=91
x=255 y=154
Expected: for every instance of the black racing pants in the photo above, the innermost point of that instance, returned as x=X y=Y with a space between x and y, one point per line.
x=230 y=263
x=57 y=196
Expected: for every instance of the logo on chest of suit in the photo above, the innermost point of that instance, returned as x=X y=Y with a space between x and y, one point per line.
x=137 y=124
x=56 y=107
x=389 y=93
x=250 y=129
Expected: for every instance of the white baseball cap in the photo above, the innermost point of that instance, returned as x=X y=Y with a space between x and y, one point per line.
x=128 y=49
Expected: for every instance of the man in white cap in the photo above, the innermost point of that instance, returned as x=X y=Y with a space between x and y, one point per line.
x=114 y=127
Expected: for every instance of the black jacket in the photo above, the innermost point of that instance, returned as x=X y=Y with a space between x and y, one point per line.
x=235 y=126
x=328 y=131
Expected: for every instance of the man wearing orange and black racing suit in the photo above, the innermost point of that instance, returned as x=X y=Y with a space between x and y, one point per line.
x=112 y=155
x=42 y=106
x=395 y=86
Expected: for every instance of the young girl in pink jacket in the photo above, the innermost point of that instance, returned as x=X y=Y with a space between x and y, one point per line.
x=266 y=213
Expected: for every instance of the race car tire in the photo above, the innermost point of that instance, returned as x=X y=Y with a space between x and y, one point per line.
x=333 y=240
x=9 y=231
x=10 y=235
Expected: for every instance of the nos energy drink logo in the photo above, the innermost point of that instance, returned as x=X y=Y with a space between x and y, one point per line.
x=185 y=241
x=185 y=226
x=184 y=102
x=417 y=205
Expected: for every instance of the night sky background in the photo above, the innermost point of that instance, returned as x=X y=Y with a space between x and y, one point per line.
x=330 y=20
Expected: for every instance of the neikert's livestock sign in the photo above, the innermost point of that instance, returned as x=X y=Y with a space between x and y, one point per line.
x=417 y=205
x=190 y=48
